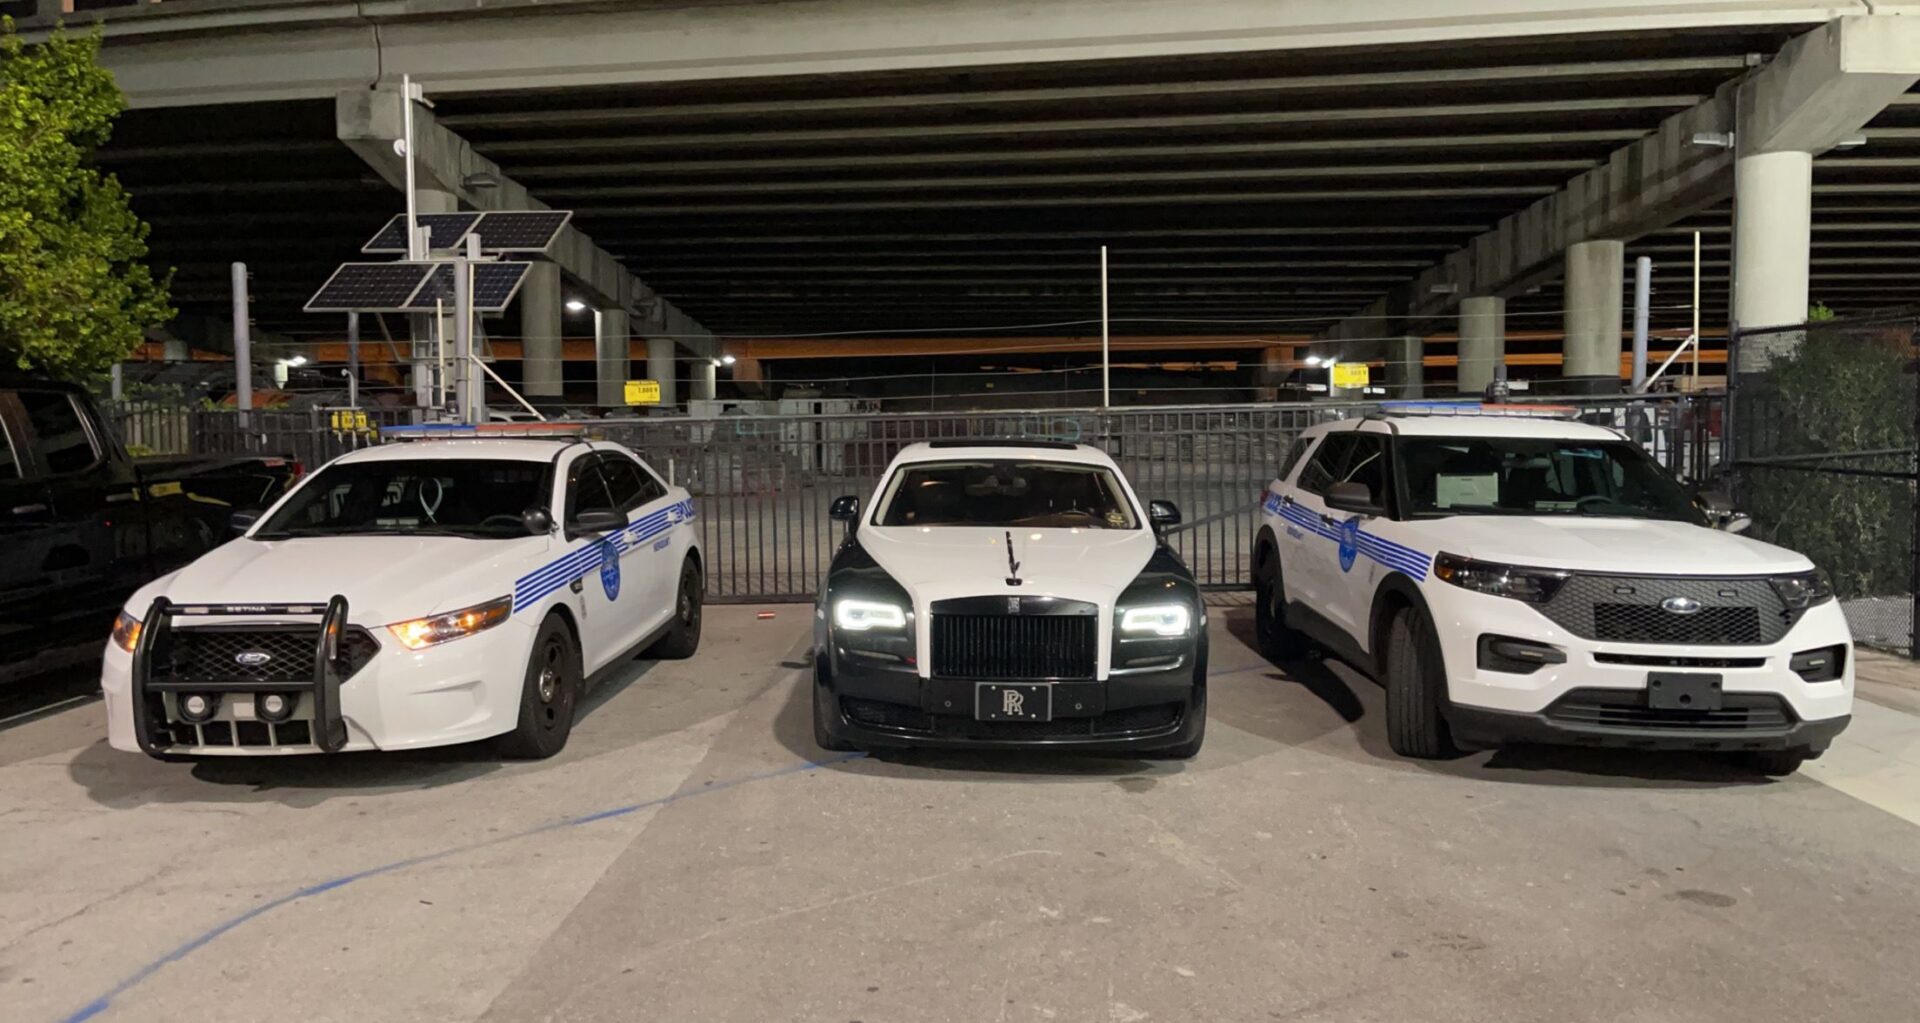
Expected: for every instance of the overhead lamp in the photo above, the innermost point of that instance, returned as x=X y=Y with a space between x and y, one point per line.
x=1715 y=139
x=297 y=360
x=1313 y=360
x=728 y=360
x=1851 y=142
x=574 y=305
x=1443 y=289
x=480 y=180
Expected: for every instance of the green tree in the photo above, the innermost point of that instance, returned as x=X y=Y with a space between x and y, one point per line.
x=75 y=292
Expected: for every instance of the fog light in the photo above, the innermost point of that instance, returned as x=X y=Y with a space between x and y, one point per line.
x=198 y=708
x=1823 y=665
x=1517 y=656
x=273 y=707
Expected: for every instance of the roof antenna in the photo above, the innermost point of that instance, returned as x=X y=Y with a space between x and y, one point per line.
x=1013 y=567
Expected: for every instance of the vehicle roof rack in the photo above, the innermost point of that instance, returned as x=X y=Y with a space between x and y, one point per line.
x=1472 y=408
x=485 y=431
x=996 y=442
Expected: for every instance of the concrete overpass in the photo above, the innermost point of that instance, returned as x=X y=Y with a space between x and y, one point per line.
x=835 y=165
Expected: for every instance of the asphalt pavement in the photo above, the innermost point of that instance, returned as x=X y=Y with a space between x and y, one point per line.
x=693 y=857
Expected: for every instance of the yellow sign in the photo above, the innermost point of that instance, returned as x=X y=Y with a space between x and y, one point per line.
x=1349 y=374
x=350 y=419
x=643 y=392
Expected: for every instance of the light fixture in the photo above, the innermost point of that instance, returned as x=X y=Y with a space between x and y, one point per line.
x=574 y=305
x=480 y=179
x=1313 y=360
x=297 y=360
x=1851 y=142
x=727 y=360
x=1716 y=139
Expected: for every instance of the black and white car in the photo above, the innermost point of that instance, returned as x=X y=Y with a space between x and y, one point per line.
x=1009 y=594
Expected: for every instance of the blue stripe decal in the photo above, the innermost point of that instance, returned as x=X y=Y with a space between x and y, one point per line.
x=529 y=589
x=1396 y=556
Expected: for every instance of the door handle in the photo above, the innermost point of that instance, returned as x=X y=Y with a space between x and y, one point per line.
x=29 y=509
x=1327 y=519
x=1286 y=500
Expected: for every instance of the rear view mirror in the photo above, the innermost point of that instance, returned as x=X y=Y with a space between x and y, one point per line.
x=844 y=509
x=597 y=520
x=1352 y=497
x=1163 y=514
x=241 y=521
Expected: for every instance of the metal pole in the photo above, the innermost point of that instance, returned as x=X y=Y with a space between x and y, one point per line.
x=463 y=341
x=353 y=351
x=1696 y=315
x=1642 y=296
x=242 y=346
x=118 y=382
x=1106 y=394
x=413 y=208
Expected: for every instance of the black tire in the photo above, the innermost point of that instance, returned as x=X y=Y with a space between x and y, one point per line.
x=1278 y=642
x=1415 y=680
x=683 y=636
x=549 y=694
x=1778 y=763
x=823 y=736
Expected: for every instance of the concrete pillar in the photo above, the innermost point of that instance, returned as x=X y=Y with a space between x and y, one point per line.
x=540 y=371
x=1593 y=316
x=611 y=368
x=660 y=366
x=1406 y=371
x=703 y=385
x=1772 y=236
x=1483 y=341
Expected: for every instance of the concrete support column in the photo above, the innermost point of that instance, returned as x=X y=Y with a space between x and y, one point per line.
x=1772 y=236
x=540 y=369
x=703 y=382
x=660 y=366
x=1593 y=317
x=1483 y=341
x=1406 y=371
x=611 y=365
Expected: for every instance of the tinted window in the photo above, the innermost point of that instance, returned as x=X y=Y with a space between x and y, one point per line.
x=1293 y=457
x=1534 y=476
x=623 y=481
x=1323 y=468
x=1367 y=465
x=1031 y=494
x=9 y=462
x=465 y=497
x=588 y=491
x=61 y=436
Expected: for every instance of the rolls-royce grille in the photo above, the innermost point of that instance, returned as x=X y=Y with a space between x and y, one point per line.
x=268 y=653
x=1014 y=646
x=1744 y=611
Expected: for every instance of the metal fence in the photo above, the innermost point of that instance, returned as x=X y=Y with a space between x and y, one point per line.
x=1824 y=418
x=764 y=483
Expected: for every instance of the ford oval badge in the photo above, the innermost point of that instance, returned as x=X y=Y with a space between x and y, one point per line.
x=1681 y=605
x=252 y=658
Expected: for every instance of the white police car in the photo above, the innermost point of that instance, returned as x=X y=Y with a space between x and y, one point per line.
x=1516 y=578
x=411 y=595
x=998 y=594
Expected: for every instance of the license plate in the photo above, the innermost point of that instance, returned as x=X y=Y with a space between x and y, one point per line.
x=1672 y=690
x=993 y=701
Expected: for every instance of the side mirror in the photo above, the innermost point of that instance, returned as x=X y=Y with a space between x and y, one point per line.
x=241 y=521
x=1352 y=497
x=844 y=509
x=1163 y=515
x=1736 y=522
x=597 y=520
x=538 y=521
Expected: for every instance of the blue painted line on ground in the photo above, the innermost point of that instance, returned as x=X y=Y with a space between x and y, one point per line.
x=105 y=1001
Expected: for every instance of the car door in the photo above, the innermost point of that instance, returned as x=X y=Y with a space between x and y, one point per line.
x=99 y=551
x=27 y=533
x=1308 y=550
x=1359 y=552
x=645 y=562
x=605 y=599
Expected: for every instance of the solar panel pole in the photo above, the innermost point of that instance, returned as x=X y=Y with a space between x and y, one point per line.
x=413 y=206
x=468 y=408
x=353 y=350
x=242 y=346
x=1106 y=398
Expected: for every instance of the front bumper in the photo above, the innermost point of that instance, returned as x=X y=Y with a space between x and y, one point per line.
x=893 y=707
x=1597 y=696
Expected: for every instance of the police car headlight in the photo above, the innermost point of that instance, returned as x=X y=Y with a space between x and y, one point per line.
x=1803 y=590
x=126 y=632
x=861 y=615
x=1533 y=585
x=421 y=633
x=1157 y=619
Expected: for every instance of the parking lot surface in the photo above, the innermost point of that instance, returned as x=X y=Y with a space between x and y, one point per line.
x=692 y=856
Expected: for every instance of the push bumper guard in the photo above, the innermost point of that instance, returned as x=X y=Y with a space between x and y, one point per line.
x=329 y=728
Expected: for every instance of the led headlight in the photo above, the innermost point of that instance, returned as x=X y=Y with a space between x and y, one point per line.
x=1803 y=590
x=862 y=615
x=126 y=632
x=421 y=633
x=1533 y=585
x=1157 y=619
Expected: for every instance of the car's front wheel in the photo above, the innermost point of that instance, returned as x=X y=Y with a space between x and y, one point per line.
x=1416 y=683
x=548 y=695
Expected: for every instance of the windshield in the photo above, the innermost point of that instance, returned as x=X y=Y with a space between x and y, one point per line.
x=982 y=493
x=450 y=497
x=1528 y=476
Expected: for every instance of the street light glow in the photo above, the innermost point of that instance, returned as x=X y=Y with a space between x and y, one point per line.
x=574 y=305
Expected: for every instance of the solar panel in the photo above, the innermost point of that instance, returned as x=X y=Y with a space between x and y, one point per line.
x=368 y=286
x=494 y=285
x=530 y=231
x=446 y=231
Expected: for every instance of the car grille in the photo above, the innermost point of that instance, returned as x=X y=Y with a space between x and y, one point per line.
x=1627 y=609
x=1627 y=709
x=902 y=718
x=210 y=652
x=1014 y=646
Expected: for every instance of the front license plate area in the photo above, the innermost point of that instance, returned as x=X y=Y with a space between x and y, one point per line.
x=1673 y=690
x=1000 y=701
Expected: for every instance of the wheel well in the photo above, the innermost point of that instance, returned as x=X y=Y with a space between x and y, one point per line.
x=1387 y=602
x=1265 y=548
x=699 y=563
x=565 y=614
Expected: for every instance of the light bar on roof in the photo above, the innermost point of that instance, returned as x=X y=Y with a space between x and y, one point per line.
x=1476 y=408
x=469 y=431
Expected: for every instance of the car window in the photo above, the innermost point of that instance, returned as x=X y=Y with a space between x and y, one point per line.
x=623 y=481
x=1293 y=456
x=1006 y=493
x=651 y=489
x=9 y=462
x=480 y=498
x=1538 y=477
x=61 y=436
x=587 y=489
x=1323 y=468
x=1367 y=465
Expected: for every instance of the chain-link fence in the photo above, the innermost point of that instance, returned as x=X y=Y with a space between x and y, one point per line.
x=1824 y=458
x=764 y=483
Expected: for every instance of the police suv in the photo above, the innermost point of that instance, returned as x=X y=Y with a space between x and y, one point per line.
x=1008 y=593
x=410 y=595
x=1511 y=578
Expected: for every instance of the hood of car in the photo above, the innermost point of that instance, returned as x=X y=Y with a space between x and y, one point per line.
x=1614 y=545
x=385 y=579
x=935 y=563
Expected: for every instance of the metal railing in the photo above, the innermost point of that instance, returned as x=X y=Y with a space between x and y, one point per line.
x=763 y=484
